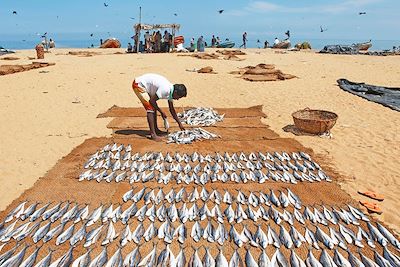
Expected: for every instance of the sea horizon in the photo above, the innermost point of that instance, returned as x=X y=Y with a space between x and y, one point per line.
x=19 y=42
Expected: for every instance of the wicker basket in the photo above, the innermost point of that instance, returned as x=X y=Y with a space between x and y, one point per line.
x=314 y=121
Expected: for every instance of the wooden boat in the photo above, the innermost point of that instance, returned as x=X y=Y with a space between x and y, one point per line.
x=227 y=44
x=111 y=43
x=282 y=45
x=363 y=46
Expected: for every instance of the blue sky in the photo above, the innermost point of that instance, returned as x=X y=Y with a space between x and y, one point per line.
x=261 y=19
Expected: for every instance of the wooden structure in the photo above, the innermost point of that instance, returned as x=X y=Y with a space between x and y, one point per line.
x=138 y=27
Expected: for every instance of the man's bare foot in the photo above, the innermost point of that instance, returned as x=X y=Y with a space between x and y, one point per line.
x=156 y=138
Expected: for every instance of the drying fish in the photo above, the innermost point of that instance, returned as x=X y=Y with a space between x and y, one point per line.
x=82 y=214
x=208 y=260
x=15 y=260
x=28 y=211
x=181 y=232
x=392 y=258
x=189 y=136
x=285 y=238
x=272 y=238
x=295 y=260
x=389 y=236
x=65 y=260
x=92 y=236
x=381 y=261
x=116 y=260
x=326 y=260
x=367 y=261
x=133 y=258
x=311 y=261
x=31 y=259
x=83 y=260
x=166 y=257
x=65 y=235
x=41 y=232
x=200 y=116
x=54 y=232
x=324 y=238
x=278 y=259
x=220 y=260
x=78 y=236
x=16 y=213
x=194 y=260
x=57 y=215
x=101 y=259
x=39 y=212
x=377 y=235
x=180 y=259
x=340 y=260
x=45 y=262
x=354 y=261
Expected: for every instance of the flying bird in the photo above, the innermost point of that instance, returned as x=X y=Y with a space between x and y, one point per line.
x=105 y=4
x=220 y=11
x=91 y=35
x=362 y=13
x=132 y=18
x=287 y=33
x=175 y=14
x=14 y=12
x=322 y=30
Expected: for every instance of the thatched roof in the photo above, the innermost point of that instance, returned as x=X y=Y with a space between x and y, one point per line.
x=156 y=26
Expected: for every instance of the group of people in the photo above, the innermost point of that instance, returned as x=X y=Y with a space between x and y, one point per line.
x=154 y=42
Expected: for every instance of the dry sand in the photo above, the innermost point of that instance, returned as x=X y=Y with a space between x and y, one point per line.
x=45 y=115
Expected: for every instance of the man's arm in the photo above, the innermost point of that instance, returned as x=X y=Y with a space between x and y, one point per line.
x=173 y=113
x=153 y=102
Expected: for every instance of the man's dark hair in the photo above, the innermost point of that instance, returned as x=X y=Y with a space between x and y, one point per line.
x=180 y=90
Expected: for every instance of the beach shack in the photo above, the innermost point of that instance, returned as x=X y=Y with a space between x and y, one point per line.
x=151 y=27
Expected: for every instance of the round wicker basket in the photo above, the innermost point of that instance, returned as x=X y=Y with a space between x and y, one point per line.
x=314 y=121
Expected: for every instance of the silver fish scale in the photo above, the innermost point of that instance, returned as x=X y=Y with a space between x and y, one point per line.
x=190 y=136
x=200 y=116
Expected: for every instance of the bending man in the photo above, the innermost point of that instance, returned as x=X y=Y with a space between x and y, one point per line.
x=157 y=87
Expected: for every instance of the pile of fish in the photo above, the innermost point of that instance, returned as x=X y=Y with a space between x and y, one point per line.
x=118 y=163
x=189 y=136
x=200 y=116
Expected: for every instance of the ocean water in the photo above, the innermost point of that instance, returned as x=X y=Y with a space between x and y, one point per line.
x=80 y=41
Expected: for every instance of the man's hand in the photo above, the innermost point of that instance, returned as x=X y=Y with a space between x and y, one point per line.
x=163 y=115
x=181 y=127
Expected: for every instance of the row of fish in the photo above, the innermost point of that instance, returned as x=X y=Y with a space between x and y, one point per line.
x=172 y=214
x=200 y=116
x=198 y=157
x=167 y=258
x=242 y=177
x=191 y=135
x=114 y=152
x=184 y=195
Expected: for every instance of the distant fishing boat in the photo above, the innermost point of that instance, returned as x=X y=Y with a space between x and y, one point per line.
x=282 y=45
x=363 y=46
x=111 y=43
x=227 y=44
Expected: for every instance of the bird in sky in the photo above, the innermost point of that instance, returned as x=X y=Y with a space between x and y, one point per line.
x=14 y=12
x=322 y=30
x=362 y=13
x=132 y=18
x=105 y=4
x=91 y=35
x=287 y=33
x=220 y=11
x=175 y=14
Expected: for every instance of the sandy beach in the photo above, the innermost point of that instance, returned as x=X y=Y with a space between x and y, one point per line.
x=49 y=111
